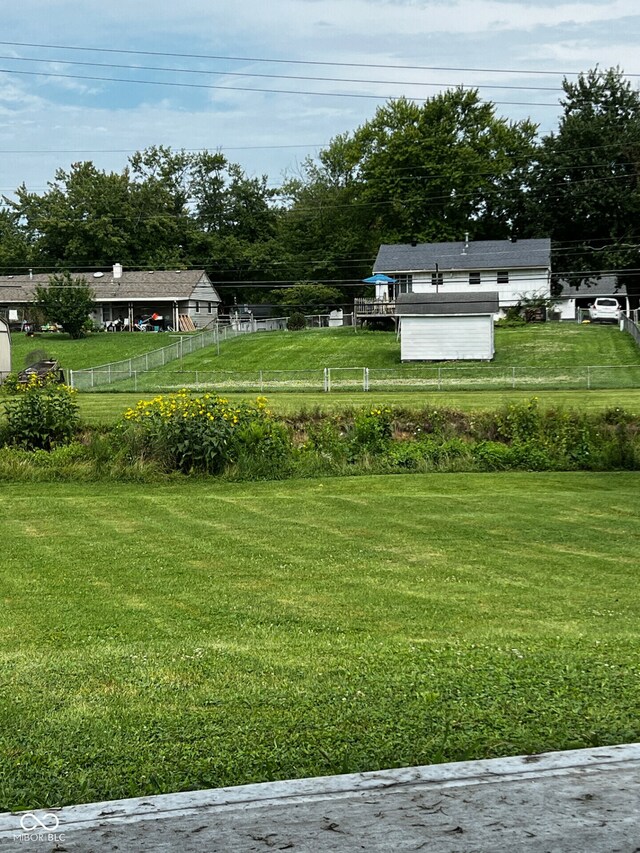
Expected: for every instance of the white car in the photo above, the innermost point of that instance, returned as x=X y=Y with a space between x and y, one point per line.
x=604 y=308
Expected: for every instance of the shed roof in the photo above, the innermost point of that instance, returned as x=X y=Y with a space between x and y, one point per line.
x=134 y=284
x=475 y=255
x=447 y=304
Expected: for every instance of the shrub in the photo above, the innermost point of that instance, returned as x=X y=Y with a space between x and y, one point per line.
x=327 y=439
x=262 y=450
x=296 y=322
x=195 y=433
x=372 y=430
x=41 y=417
x=519 y=421
x=492 y=456
x=11 y=385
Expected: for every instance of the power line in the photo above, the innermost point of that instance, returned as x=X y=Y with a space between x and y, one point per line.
x=280 y=61
x=602 y=146
x=134 y=150
x=305 y=209
x=208 y=86
x=283 y=76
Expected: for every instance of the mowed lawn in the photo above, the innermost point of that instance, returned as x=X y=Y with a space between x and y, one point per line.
x=106 y=408
x=535 y=345
x=91 y=351
x=194 y=635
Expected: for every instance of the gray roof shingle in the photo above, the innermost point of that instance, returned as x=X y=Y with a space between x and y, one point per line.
x=447 y=303
x=134 y=284
x=478 y=255
x=604 y=285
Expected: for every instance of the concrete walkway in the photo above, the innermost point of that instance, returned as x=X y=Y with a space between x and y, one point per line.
x=583 y=801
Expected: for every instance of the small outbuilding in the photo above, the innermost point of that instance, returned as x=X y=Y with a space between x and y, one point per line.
x=447 y=326
x=5 y=350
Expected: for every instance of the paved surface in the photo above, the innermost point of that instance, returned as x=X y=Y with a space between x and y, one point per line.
x=584 y=801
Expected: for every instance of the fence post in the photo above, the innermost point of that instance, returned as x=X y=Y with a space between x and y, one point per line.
x=439 y=379
x=71 y=385
x=109 y=382
x=196 y=378
x=588 y=378
x=365 y=379
x=92 y=379
x=135 y=380
x=513 y=377
x=130 y=368
x=326 y=379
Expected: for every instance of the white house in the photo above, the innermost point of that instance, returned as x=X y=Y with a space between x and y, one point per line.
x=446 y=326
x=511 y=268
x=128 y=295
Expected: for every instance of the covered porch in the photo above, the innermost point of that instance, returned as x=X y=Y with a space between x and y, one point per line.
x=155 y=315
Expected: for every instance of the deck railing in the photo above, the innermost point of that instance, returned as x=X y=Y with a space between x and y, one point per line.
x=374 y=307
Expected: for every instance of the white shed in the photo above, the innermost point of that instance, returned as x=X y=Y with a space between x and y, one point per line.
x=447 y=326
x=5 y=350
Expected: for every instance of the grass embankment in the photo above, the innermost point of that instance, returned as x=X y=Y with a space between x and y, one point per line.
x=540 y=345
x=202 y=635
x=106 y=408
x=91 y=351
x=534 y=345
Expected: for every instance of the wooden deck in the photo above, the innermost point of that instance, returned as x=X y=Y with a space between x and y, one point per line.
x=374 y=307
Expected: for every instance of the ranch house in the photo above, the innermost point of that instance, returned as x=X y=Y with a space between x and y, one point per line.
x=511 y=268
x=123 y=298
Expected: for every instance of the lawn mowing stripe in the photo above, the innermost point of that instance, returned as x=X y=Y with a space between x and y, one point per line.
x=474 y=617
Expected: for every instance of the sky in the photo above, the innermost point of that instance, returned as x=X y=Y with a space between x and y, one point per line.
x=230 y=76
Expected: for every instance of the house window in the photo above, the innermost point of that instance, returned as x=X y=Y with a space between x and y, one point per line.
x=404 y=284
x=197 y=307
x=474 y=278
x=437 y=279
x=209 y=308
x=503 y=277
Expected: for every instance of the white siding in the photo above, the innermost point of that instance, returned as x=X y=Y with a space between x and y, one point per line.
x=567 y=309
x=434 y=338
x=524 y=282
x=5 y=349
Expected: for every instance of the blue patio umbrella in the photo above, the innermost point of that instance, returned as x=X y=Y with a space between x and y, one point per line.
x=379 y=278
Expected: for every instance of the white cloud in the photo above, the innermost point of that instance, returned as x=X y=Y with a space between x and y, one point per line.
x=464 y=33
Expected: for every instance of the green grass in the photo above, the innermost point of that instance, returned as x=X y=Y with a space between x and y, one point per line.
x=107 y=408
x=87 y=352
x=537 y=345
x=198 y=635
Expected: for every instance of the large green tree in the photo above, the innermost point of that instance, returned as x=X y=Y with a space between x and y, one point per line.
x=431 y=172
x=165 y=208
x=307 y=298
x=586 y=189
x=67 y=301
x=425 y=172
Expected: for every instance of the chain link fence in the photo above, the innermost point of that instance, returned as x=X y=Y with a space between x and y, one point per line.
x=117 y=372
x=345 y=379
x=129 y=372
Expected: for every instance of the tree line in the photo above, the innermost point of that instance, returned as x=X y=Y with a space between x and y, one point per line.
x=424 y=172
